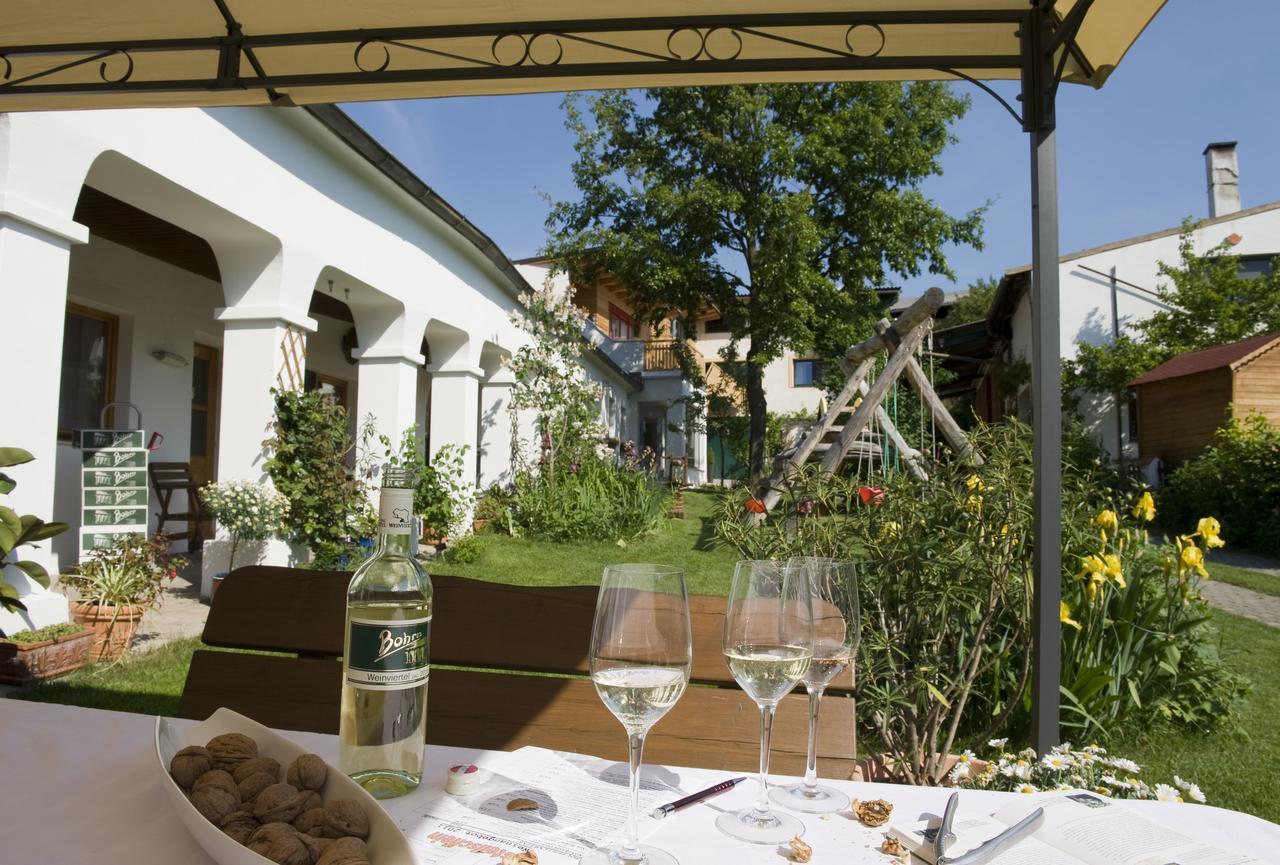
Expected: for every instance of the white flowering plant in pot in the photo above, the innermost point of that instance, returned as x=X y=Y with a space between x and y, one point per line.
x=247 y=511
x=1065 y=768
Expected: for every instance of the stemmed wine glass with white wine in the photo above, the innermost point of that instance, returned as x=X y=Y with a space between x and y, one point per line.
x=836 y=630
x=641 y=655
x=768 y=643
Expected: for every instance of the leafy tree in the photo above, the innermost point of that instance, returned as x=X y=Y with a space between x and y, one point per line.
x=780 y=206
x=974 y=303
x=1208 y=303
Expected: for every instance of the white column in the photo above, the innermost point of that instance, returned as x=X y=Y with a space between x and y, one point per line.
x=262 y=348
x=495 y=429
x=388 y=390
x=259 y=352
x=455 y=412
x=35 y=251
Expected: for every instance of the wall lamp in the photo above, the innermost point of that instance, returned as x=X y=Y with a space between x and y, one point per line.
x=170 y=358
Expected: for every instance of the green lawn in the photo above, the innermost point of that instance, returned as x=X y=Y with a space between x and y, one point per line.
x=687 y=543
x=1256 y=580
x=1235 y=771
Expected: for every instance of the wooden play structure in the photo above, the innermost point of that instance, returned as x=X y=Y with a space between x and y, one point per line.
x=843 y=427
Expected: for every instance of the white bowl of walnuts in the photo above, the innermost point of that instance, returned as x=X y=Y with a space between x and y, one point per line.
x=249 y=796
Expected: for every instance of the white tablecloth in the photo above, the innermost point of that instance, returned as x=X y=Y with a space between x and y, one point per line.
x=78 y=787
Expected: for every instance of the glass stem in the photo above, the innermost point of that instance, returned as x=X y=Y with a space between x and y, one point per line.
x=630 y=851
x=766 y=730
x=811 y=761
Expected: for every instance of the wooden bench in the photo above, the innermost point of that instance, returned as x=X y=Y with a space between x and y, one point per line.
x=508 y=668
x=167 y=479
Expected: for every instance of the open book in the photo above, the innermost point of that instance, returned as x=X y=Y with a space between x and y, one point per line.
x=1079 y=828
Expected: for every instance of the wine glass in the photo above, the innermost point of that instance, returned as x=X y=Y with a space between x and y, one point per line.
x=641 y=655
x=834 y=586
x=768 y=643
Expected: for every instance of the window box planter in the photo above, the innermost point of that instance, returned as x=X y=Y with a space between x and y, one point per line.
x=21 y=663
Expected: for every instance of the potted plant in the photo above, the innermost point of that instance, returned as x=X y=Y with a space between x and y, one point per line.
x=17 y=531
x=117 y=585
x=33 y=656
x=246 y=511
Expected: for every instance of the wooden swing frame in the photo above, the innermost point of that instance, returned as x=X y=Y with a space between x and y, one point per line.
x=901 y=339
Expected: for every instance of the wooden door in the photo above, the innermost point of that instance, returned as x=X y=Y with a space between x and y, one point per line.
x=205 y=371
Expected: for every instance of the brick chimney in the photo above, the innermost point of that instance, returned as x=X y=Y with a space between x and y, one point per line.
x=1223 y=173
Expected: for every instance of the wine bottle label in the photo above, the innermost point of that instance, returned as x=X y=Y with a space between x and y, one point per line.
x=395 y=511
x=388 y=656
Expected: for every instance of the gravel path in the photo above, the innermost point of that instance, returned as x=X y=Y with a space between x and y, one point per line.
x=1243 y=602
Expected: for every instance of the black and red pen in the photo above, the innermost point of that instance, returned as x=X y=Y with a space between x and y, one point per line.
x=694 y=798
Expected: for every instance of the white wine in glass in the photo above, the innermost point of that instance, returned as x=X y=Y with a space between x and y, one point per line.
x=836 y=628
x=641 y=655
x=768 y=644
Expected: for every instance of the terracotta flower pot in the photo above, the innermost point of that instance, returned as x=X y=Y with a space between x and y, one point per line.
x=111 y=639
x=21 y=663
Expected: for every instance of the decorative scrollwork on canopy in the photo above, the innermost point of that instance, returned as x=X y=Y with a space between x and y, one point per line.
x=874 y=28
x=704 y=48
x=124 y=75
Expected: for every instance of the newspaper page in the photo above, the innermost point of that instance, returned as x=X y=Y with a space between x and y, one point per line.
x=581 y=805
x=1100 y=831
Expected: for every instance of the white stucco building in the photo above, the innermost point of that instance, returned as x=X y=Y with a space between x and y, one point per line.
x=187 y=261
x=1107 y=288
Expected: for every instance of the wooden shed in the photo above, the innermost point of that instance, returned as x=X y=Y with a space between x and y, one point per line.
x=1183 y=401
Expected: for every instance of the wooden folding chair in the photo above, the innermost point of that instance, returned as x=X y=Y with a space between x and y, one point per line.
x=166 y=479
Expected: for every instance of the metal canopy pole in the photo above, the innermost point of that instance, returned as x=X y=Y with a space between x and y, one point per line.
x=1038 y=91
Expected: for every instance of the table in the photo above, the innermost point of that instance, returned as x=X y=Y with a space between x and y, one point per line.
x=78 y=786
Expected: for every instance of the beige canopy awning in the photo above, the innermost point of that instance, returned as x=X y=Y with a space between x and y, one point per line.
x=129 y=53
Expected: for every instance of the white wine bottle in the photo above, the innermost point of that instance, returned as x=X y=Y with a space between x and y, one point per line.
x=383 y=724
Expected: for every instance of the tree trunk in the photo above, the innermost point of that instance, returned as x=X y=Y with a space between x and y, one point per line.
x=757 y=412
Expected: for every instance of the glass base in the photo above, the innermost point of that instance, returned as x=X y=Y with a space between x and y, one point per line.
x=816 y=800
x=648 y=856
x=386 y=783
x=749 y=826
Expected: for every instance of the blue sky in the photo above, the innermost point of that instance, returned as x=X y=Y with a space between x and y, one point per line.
x=1129 y=155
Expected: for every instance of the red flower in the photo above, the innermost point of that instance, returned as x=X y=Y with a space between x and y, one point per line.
x=755 y=506
x=871 y=495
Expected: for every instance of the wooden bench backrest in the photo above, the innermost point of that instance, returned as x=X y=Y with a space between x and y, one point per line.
x=173 y=475
x=499 y=634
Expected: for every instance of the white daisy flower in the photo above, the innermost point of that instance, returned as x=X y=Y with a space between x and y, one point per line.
x=1125 y=765
x=998 y=743
x=1193 y=792
x=1026 y=788
x=1165 y=793
x=958 y=772
x=1056 y=763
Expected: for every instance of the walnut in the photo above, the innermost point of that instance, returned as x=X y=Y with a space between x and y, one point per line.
x=874 y=812
x=239 y=825
x=343 y=851
x=893 y=847
x=307 y=772
x=215 y=802
x=311 y=822
x=310 y=800
x=216 y=778
x=800 y=851
x=522 y=805
x=231 y=749
x=312 y=845
x=279 y=803
x=189 y=764
x=254 y=784
x=280 y=843
x=344 y=817
x=256 y=765
x=526 y=857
